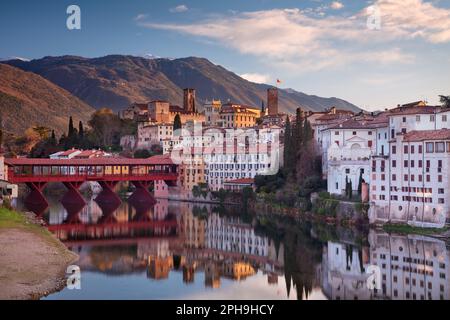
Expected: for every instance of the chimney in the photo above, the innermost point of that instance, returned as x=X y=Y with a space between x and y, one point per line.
x=189 y=100
x=272 y=101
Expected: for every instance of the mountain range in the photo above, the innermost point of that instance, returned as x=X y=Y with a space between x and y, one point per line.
x=27 y=99
x=116 y=81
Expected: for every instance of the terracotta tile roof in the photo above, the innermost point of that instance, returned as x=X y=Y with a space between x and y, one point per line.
x=91 y=154
x=332 y=116
x=369 y=123
x=68 y=152
x=443 y=134
x=414 y=110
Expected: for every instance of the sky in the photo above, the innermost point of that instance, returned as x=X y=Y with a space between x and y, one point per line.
x=375 y=54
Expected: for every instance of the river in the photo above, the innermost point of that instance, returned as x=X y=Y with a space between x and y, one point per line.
x=180 y=250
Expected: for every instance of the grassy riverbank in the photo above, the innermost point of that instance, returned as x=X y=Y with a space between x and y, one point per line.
x=407 y=229
x=32 y=260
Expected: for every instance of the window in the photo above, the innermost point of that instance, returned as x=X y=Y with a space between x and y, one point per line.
x=354 y=133
x=394 y=149
x=394 y=163
x=418 y=118
x=412 y=150
x=336 y=133
x=404 y=119
x=440 y=147
x=444 y=118
x=369 y=143
x=432 y=118
x=405 y=149
x=347 y=171
x=429 y=147
x=420 y=149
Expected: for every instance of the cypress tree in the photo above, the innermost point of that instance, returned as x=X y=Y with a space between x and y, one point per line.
x=307 y=132
x=71 y=128
x=80 y=130
x=350 y=189
x=176 y=123
x=360 y=183
x=53 y=141
x=288 y=146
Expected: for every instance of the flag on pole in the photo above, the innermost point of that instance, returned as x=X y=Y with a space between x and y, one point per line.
x=278 y=81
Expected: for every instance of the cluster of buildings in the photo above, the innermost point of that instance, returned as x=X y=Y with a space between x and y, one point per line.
x=224 y=146
x=401 y=154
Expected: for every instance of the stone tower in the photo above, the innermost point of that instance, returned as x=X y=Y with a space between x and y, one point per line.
x=189 y=100
x=272 y=101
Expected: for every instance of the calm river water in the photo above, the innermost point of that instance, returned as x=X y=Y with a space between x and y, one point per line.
x=177 y=250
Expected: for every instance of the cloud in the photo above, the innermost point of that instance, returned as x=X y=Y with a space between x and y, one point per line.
x=256 y=77
x=299 y=39
x=179 y=9
x=336 y=5
x=140 y=17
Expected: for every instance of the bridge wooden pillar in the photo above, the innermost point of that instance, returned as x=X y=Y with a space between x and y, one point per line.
x=36 y=196
x=73 y=195
x=108 y=195
x=141 y=196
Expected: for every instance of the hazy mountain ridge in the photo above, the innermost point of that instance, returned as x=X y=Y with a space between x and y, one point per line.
x=117 y=80
x=27 y=99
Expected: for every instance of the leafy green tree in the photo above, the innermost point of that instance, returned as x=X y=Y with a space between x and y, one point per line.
x=445 y=100
x=105 y=128
x=142 y=154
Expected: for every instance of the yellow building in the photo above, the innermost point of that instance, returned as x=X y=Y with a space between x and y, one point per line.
x=237 y=116
x=192 y=171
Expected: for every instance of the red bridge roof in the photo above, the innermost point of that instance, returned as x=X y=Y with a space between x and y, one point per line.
x=107 y=161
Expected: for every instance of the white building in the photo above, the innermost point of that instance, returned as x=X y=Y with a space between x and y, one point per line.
x=351 y=144
x=153 y=133
x=410 y=182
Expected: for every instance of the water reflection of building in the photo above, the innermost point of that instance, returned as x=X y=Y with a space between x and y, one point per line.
x=238 y=270
x=234 y=236
x=412 y=267
x=343 y=272
x=193 y=229
x=212 y=275
x=159 y=258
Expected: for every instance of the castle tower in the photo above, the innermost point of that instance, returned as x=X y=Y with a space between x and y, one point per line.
x=272 y=101
x=189 y=100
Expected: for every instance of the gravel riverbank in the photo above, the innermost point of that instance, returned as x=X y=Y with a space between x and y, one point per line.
x=32 y=261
